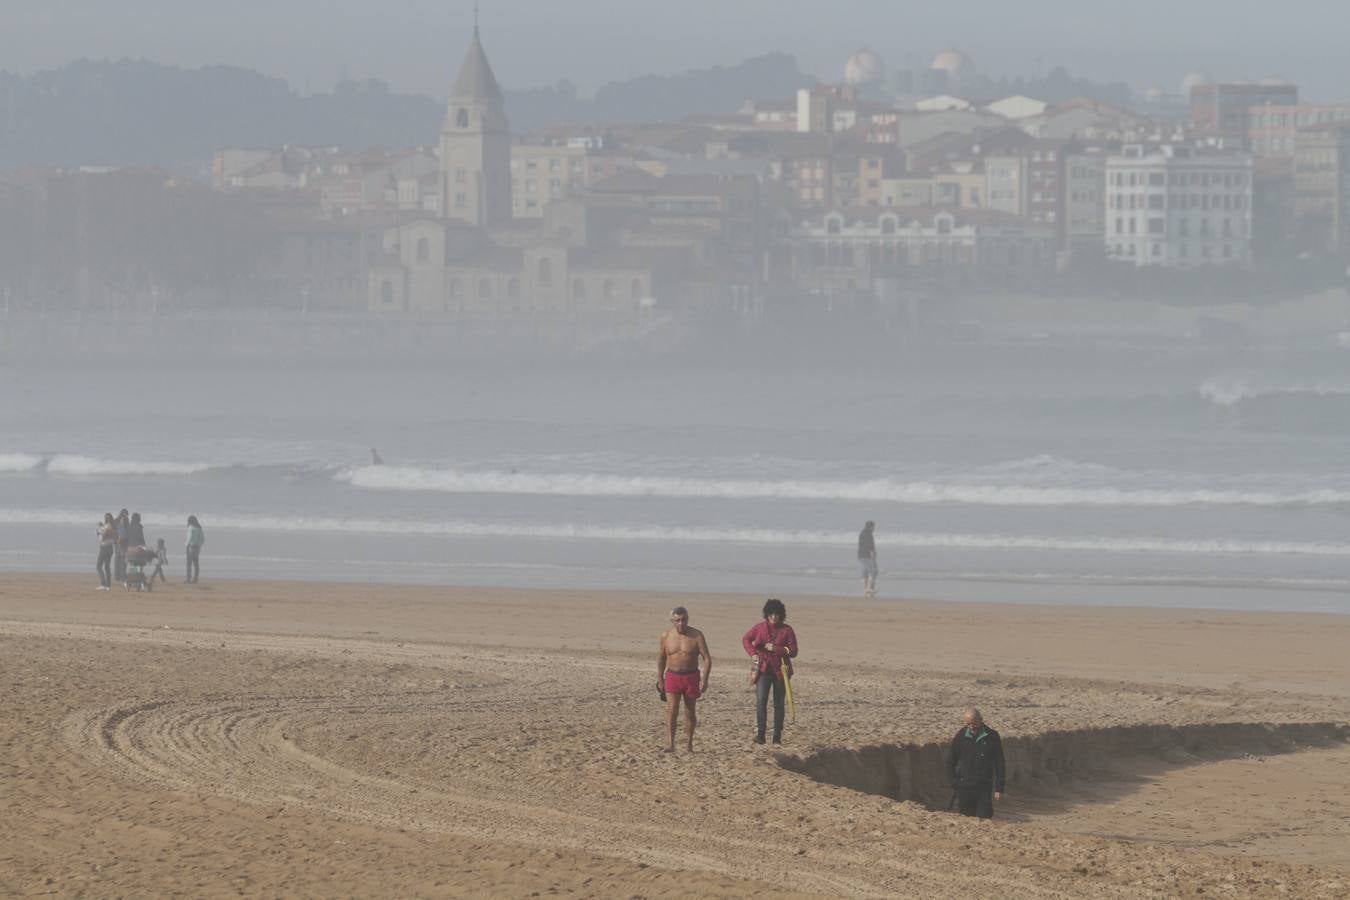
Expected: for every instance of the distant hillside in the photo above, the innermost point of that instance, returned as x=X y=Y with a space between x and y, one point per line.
x=136 y=112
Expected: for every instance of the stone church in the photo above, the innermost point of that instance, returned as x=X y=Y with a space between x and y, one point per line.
x=469 y=257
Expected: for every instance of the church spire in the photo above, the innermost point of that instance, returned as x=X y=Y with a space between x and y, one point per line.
x=475 y=81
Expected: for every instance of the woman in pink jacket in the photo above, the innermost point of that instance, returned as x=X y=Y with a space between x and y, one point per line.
x=773 y=644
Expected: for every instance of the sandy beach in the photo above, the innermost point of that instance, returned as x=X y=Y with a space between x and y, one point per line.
x=301 y=739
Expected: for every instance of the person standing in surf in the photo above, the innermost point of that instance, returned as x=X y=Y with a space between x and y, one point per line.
x=677 y=674
x=867 y=559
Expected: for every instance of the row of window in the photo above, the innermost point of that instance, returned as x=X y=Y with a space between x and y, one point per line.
x=889 y=225
x=1183 y=251
x=1178 y=201
x=1176 y=179
x=1159 y=226
x=609 y=288
x=1303 y=117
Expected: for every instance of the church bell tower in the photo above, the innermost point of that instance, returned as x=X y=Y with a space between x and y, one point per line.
x=476 y=145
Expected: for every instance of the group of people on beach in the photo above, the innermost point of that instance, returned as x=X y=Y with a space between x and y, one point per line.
x=974 y=760
x=123 y=548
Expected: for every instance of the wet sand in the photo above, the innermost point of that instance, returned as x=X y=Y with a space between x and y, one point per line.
x=318 y=739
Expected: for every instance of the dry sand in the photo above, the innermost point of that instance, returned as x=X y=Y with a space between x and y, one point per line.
x=316 y=740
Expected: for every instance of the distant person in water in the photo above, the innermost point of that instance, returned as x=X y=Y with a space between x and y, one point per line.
x=867 y=559
x=772 y=643
x=975 y=766
x=107 y=544
x=375 y=457
x=677 y=674
x=195 y=539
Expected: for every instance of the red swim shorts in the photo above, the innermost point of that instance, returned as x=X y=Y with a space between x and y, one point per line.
x=686 y=684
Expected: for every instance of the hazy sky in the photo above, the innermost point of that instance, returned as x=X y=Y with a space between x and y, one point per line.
x=416 y=44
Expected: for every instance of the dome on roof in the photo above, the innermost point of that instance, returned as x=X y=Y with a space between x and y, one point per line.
x=864 y=67
x=1194 y=79
x=954 y=62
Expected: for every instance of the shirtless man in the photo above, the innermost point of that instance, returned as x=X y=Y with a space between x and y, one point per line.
x=677 y=674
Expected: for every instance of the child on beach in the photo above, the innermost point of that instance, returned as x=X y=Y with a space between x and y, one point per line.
x=161 y=560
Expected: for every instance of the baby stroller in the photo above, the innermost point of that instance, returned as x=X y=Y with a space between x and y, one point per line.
x=138 y=558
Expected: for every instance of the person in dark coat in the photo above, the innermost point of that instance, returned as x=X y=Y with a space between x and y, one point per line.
x=975 y=766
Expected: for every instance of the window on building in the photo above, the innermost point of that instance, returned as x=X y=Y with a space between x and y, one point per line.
x=1157 y=179
x=607 y=290
x=387 y=292
x=833 y=225
x=462 y=118
x=513 y=288
x=635 y=290
x=460 y=176
x=887 y=225
x=461 y=200
x=1156 y=201
x=1156 y=226
x=484 y=289
x=423 y=250
x=544 y=273
x=456 y=289
x=578 y=289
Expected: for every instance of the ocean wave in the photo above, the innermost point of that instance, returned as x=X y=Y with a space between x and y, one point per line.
x=692 y=534
x=1231 y=391
x=880 y=490
x=20 y=462
x=73 y=464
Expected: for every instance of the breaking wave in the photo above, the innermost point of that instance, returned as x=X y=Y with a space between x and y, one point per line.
x=669 y=534
x=20 y=462
x=1229 y=392
x=879 y=490
x=70 y=464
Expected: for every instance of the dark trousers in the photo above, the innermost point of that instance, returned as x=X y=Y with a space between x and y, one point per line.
x=194 y=567
x=120 y=563
x=976 y=801
x=104 y=565
x=762 y=687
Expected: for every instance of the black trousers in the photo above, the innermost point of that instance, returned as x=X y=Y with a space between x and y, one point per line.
x=104 y=565
x=976 y=801
x=765 y=684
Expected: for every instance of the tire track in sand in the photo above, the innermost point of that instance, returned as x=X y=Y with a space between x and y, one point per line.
x=251 y=752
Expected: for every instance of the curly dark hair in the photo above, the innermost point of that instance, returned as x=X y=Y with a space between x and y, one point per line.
x=772 y=606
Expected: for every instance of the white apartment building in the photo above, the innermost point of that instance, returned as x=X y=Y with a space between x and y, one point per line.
x=1177 y=206
x=1084 y=198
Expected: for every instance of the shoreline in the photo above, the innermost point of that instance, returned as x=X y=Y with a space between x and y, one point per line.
x=1161 y=593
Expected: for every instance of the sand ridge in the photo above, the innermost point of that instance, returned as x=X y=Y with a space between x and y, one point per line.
x=480 y=743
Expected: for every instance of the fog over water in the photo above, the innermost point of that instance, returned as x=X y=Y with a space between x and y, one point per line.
x=1140 y=474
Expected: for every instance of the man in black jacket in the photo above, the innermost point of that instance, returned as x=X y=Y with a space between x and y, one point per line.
x=975 y=766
